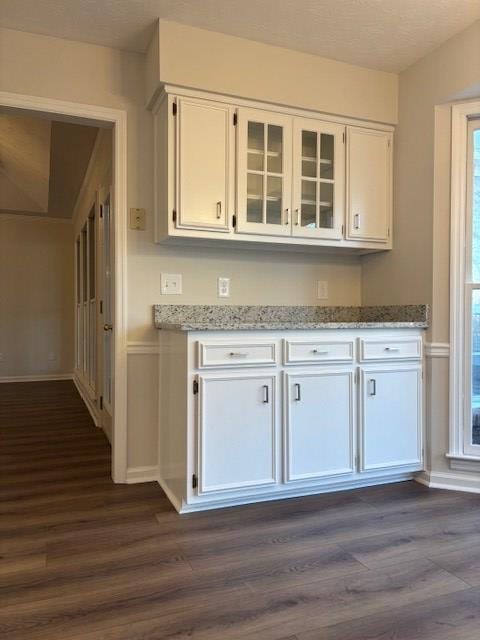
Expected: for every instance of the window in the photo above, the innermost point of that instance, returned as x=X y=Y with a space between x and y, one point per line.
x=472 y=292
x=465 y=286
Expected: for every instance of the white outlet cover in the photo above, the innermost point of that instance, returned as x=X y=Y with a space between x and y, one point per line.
x=223 y=287
x=322 y=290
x=171 y=284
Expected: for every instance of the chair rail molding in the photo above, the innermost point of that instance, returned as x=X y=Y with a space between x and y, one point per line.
x=437 y=349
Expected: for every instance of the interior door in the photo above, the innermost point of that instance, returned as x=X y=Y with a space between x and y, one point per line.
x=319 y=424
x=204 y=160
x=391 y=421
x=318 y=179
x=106 y=317
x=236 y=430
x=264 y=157
x=369 y=184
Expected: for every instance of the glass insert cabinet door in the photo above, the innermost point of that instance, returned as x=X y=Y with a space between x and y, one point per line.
x=264 y=172
x=318 y=179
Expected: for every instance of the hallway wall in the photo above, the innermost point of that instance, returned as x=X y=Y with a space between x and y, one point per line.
x=36 y=297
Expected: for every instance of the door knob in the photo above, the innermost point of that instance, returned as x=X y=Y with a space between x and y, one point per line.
x=107 y=327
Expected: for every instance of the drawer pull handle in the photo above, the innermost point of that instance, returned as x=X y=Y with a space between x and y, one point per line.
x=319 y=352
x=266 y=398
x=237 y=354
x=392 y=349
x=373 y=387
x=298 y=392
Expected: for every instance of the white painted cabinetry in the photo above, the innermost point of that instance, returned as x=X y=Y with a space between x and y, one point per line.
x=231 y=171
x=369 y=184
x=204 y=144
x=236 y=431
x=247 y=416
x=319 y=424
x=391 y=416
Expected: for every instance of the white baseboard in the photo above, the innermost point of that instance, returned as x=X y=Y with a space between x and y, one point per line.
x=142 y=474
x=92 y=409
x=469 y=483
x=43 y=377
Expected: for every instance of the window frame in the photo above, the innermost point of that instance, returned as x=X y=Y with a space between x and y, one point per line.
x=461 y=285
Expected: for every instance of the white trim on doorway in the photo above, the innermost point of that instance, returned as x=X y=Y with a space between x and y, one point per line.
x=101 y=116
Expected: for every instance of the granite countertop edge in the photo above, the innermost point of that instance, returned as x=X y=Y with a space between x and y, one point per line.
x=287 y=318
x=275 y=326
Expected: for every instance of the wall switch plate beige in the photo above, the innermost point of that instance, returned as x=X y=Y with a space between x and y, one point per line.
x=137 y=219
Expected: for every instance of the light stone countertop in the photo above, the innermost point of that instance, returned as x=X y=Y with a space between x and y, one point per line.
x=245 y=317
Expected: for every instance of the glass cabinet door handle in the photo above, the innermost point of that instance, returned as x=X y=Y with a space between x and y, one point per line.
x=219 y=209
x=287 y=216
x=297 y=217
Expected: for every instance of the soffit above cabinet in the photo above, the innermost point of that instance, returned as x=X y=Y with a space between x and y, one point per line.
x=215 y=62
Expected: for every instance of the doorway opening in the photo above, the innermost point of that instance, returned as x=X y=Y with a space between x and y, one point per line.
x=63 y=171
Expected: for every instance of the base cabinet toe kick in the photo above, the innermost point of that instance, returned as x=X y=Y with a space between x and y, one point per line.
x=250 y=416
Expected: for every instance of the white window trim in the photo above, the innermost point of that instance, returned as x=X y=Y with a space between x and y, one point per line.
x=460 y=236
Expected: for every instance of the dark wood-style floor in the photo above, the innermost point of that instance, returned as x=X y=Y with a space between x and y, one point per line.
x=81 y=558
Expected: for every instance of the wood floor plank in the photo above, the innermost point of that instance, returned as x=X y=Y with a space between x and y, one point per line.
x=84 y=559
x=455 y=616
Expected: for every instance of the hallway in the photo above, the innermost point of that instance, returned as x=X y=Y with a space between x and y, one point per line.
x=84 y=559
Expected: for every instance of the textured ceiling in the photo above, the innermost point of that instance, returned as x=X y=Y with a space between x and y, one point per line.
x=380 y=34
x=42 y=165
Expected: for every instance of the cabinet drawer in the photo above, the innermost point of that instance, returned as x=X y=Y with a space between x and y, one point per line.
x=235 y=354
x=300 y=352
x=391 y=349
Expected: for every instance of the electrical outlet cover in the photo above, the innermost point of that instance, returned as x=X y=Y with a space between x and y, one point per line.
x=171 y=283
x=322 y=290
x=223 y=287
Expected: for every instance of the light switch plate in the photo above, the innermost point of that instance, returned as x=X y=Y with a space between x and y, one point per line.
x=322 y=290
x=171 y=283
x=137 y=219
x=223 y=287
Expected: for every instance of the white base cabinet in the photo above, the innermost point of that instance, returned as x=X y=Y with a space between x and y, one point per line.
x=236 y=431
x=259 y=415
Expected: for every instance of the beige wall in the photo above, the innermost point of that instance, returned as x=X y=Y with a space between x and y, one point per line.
x=211 y=61
x=417 y=270
x=61 y=69
x=36 y=296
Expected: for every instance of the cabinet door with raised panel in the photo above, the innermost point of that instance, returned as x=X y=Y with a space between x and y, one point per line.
x=264 y=148
x=320 y=414
x=391 y=417
x=236 y=431
x=204 y=160
x=369 y=184
x=318 y=179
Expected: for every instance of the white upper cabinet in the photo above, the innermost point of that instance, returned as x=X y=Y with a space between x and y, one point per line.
x=369 y=184
x=318 y=179
x=204 y=156
x=264 y=154
x=234 y=172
